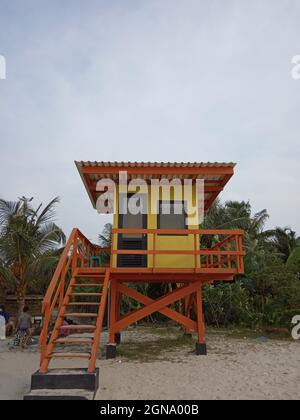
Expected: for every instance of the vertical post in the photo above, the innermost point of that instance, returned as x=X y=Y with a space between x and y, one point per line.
x=236 y=240
x=219 y=258
x=118 y=314
x=82 y=252
x=112 y=250
x=88 y=254
x=75 y=254
x=187 y=310
x=154 y=249
x=113 y=308
x=62 y=288
x=111 y=348
x=241 y=258
x=195 y=249
x=228 y=255
x=99 y=324
x=44 y=334
x=200 y=345
x=118 y=305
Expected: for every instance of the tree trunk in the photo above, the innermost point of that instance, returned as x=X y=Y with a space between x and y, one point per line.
x=21 y=295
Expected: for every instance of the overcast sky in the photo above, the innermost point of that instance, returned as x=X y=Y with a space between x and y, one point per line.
x=154 y=80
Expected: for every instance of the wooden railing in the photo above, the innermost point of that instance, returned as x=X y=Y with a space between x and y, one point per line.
x=77 y=253
x=227 y=254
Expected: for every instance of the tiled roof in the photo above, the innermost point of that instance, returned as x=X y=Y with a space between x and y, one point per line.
x=158 y=164
x=215 y=174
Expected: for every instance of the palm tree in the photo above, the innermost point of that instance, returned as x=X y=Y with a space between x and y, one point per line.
x=238 y=215
x=29 y=244
x=284 y=240
x=105 y=240
x=105 y=237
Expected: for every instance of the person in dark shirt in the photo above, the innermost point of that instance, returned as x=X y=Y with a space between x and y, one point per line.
x=24 y=326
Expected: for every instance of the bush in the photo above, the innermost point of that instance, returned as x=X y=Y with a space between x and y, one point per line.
x=275 y=295
x=270 y=297
x=226 y=303
x=294 y=258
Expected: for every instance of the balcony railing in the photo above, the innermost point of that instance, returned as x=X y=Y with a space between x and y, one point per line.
x=213 y=250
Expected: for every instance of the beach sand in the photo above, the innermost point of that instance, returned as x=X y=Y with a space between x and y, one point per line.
x=158 y=363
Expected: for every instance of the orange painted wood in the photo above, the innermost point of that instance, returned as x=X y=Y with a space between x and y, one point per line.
x=145 y=300
x=72 y=341
x=179 y=232
x=222 y=262
x=175 y=252
x=200 y=321
x=101 y=313
x=78 y=327
x=80 y=315
x=83 y=304
x=134 y=170
x=155 y=306
x=154 y=248
x=86 y=294
x=112 y=313
x=69 y=356
x=88 y=285
x=47 y=349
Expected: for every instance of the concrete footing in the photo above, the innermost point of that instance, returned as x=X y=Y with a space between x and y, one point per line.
x=111 y=351
x=201 y=349
x=64 y=384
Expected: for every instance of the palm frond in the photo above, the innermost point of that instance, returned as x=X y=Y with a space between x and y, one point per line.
x=48 y=213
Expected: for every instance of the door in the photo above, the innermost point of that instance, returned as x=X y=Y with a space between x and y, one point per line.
x=133 y=242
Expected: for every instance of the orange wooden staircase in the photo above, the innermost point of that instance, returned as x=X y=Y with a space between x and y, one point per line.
x=79 y=291
x=73 y=294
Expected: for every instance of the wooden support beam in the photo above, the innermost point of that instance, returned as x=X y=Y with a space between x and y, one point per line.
x=113 y=309
x=200 y=320
x=170 y=313
x=131 y=170
x=156 y=306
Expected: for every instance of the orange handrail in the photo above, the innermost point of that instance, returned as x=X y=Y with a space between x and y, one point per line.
x=213 y=257
x=100 y=319
x=78 y=248
x=180 y=231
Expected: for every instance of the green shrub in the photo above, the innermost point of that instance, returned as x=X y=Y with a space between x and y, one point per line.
x=225 y=304
x=294 y=258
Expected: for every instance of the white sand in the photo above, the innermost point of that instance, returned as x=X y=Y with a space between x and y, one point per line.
x=234 y=369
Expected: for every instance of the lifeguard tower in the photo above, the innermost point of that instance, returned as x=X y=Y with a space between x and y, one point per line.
x=147 y=246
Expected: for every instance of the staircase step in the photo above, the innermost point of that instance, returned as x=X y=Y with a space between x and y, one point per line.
x=79 y=315
x=78 y=327
x=69 y=356
x=70 y=341
x=87 y=285
x=59 y=394
x=83 y=304
x=86 y=294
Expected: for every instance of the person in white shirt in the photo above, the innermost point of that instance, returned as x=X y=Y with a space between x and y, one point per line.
x=2 y=327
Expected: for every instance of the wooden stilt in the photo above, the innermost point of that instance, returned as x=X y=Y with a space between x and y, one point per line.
x=200 y=321
x=113 y=311
x=200 y=345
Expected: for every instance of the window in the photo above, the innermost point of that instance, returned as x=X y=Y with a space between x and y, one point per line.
x=133 y=221
x=171 y=215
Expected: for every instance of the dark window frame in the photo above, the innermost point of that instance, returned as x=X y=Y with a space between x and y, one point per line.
x=143 y=240
x=184 y=203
